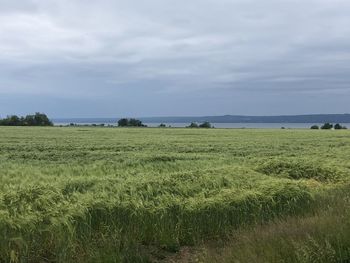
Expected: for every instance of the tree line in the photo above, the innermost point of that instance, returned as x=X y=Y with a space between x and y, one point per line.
x=41 y=119
x=205 y=124
x=137 y=123
x=38 y=119
x=328 y=126
x=130 y=123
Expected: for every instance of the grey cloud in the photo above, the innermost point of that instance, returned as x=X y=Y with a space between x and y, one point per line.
x=245 y=52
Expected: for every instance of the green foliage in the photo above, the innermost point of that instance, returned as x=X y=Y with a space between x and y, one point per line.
x=90 y=195
x=314 y=127
x=327 y=126
x=339 y=127
x=193 y=125
x=205 y=125
x=130 y=123
x=123 y=122
x=39 y=119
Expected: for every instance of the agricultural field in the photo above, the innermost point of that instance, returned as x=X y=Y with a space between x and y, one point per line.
x=142 y=194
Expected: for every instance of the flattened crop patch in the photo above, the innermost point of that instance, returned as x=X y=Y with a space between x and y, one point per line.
x=300 y=169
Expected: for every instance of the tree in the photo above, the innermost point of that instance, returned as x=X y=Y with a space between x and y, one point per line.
x=42 y=120
x=123 y=122
x=130 y=123
x=205 y=125
x=339 y=127
x=15 y=120
x=29 y=120
x=39 y=119
x=327 y=126
x=12 y=120
x=162 y=125
x=193 y=125
x=135 y=123
x=314 y=127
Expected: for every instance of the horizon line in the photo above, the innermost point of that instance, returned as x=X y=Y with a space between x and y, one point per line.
x=198 y=116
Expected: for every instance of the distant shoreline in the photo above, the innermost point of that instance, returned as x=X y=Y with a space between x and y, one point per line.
x=218 y=125
x=285 y=119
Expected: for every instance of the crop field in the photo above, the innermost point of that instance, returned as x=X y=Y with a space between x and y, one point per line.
x=134 y=194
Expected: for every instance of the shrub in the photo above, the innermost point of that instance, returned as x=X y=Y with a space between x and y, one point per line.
x=205 y=125
x=339 y=127
x=130 y=123
x=123 y=122
x=314 y=127
x=193 y=125
x=327 y=126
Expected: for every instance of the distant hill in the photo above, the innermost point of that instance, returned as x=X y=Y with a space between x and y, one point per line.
x=311 y=118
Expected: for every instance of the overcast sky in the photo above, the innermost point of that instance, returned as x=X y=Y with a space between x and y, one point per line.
x=114 y=58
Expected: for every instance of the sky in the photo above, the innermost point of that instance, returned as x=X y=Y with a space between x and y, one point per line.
x=117 y=58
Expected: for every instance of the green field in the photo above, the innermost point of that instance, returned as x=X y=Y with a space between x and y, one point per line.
x=137 y=194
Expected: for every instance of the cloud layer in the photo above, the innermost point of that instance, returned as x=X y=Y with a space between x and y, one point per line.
x=159 y=57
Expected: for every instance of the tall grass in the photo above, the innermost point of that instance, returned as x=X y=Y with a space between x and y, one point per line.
x=110 y=195
x=323 y=235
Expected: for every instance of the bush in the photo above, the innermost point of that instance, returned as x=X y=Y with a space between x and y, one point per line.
x=123 y=122
x=205 y=125
x=327 y=126
x=130 y=123
x=314 y=127
x=339 y=127
x=193 y=125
